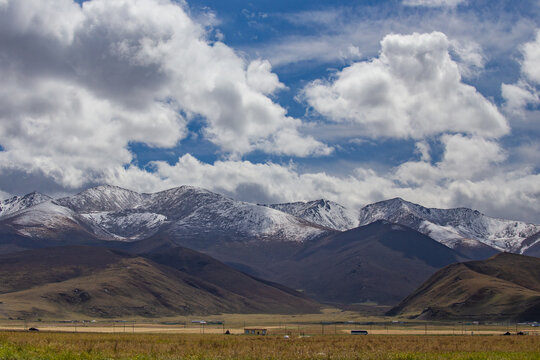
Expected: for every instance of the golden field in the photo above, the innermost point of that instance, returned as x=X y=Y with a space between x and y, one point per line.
x=179 y=338
x=54 y=345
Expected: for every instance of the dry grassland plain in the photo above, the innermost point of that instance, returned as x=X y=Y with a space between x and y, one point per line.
x=310 y=336
x=56 y=346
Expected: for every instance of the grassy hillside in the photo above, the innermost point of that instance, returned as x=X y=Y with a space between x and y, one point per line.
x=506 y=286
x=98 y=282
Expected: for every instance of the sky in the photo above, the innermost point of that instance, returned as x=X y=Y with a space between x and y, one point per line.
x=434 y=101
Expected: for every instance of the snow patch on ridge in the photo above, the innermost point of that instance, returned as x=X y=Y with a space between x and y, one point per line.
x=127 y=224
x=322 y=212
x=18 y=203
x=46 y=214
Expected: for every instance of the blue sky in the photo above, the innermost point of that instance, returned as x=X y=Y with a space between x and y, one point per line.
x=435 y=101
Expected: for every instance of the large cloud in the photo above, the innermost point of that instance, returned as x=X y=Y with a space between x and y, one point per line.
x=412 y=90
x=79 y=83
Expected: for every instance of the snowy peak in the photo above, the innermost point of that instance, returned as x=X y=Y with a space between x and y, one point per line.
x=452 y=227
x=184 y=212
x=18 y=203
x=321 y=212
x=46 y=220
x=179 y=202
x=103 y=198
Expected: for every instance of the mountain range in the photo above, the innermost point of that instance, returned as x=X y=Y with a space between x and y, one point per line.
x=380 y=253
x=468 y=231
x=113 y=213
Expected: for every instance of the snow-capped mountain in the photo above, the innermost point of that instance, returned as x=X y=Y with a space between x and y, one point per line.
x=452 y=227
x=18 y=203
x=194 y=216
x=244 y=220
x=322 y=212
x=186 y=212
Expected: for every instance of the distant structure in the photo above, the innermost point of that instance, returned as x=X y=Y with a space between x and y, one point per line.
x=255 y=331
x=359 y=332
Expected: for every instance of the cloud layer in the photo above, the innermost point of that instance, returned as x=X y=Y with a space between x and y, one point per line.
x=82 y=82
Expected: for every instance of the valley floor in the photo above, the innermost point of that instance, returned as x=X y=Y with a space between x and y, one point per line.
x=55 y=345
x=310 y=336
x=331 y=321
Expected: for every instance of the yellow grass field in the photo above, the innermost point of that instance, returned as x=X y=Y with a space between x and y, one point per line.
x=315 y=336
x=54 y=345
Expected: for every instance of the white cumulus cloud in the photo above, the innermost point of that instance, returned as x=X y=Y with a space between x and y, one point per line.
x=412 y=90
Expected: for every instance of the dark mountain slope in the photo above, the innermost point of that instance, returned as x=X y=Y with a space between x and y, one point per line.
x=504 y=287
x=380 y=262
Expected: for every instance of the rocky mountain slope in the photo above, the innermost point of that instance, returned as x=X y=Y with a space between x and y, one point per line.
x=465 y=230
x=504 y=287
x=18 y=203
x=322 y=212
x=98 y=282
x=48 y=220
